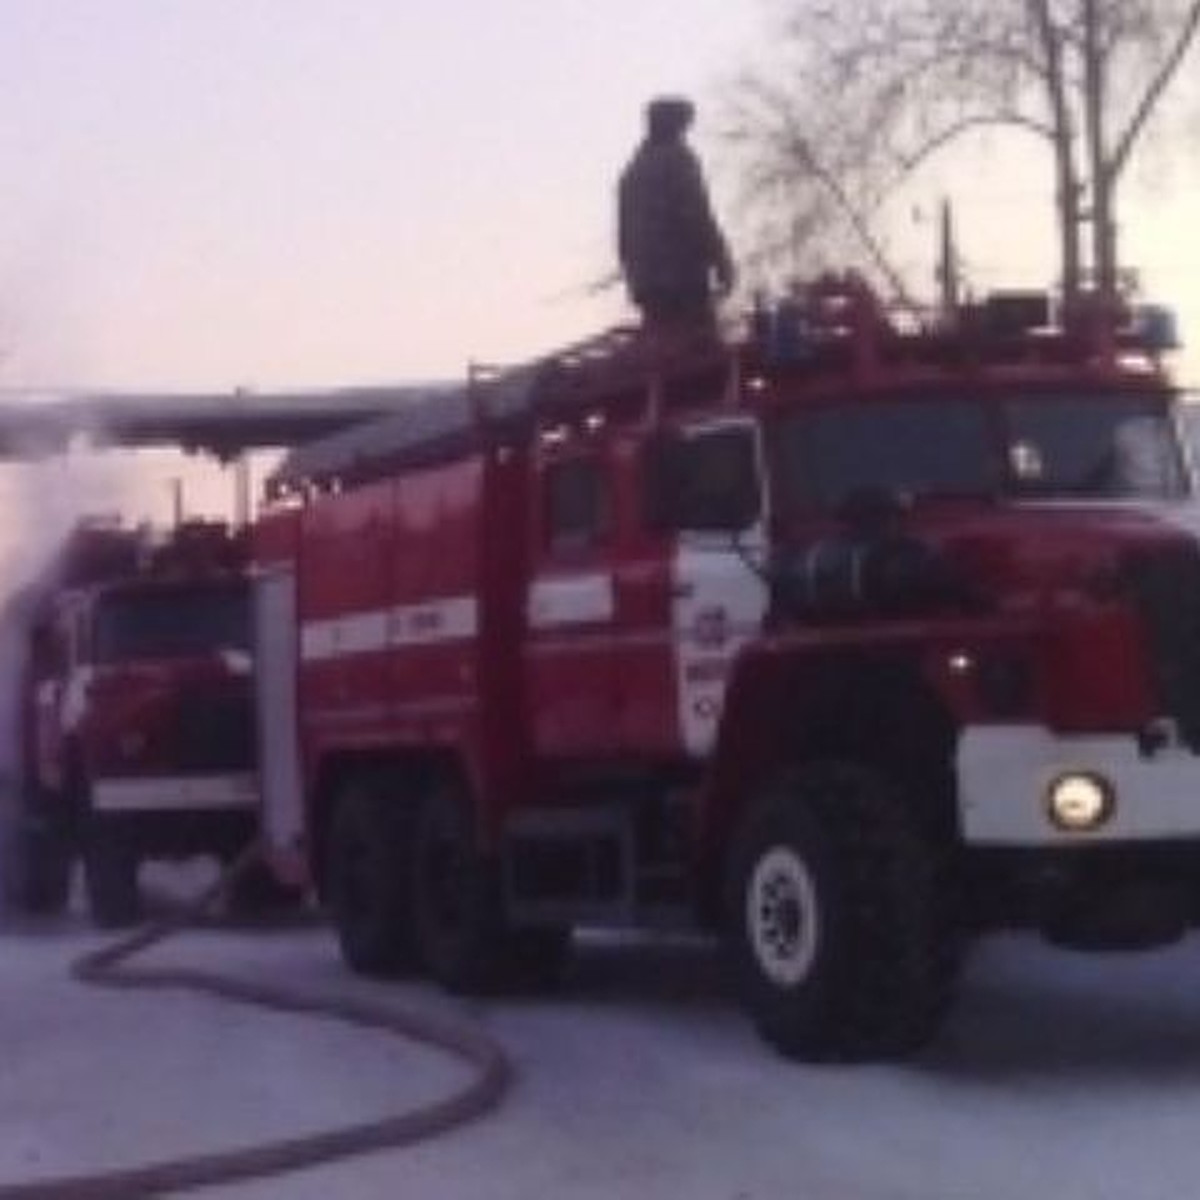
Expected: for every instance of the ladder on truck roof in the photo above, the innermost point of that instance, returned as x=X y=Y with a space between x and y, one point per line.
x=834 y=324
x=580 y=378
x=442 y=422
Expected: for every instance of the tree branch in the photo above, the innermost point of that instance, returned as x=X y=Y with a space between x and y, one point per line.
x=952 y=132
x=803 y=151
x=1153 y=94
x=938 y=52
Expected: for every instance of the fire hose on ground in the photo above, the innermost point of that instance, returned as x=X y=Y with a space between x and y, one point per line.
x=108 y=968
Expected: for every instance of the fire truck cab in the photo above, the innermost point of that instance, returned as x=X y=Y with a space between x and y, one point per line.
x=139 y=728
x=846 y=638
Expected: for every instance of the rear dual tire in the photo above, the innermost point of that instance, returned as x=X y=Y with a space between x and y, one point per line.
x=409 y=887
x=456 y=903
x=368 y=879
x=462 y=936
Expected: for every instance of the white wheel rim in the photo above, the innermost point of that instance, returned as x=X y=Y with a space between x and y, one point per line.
x=782 y=916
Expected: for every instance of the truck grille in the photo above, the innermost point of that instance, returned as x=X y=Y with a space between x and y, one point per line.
x=1166 y=584
x=215 y=731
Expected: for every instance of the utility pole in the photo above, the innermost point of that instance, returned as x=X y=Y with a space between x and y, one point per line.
x=948 y=272
x=1104 y=248
x=1053 y=43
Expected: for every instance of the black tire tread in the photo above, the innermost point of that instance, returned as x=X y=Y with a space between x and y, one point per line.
x=381 y=946
x=888 y=988
x=472 y=959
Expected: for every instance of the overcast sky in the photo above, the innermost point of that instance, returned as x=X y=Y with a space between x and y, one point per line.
x=210 y=193
x=309 y=191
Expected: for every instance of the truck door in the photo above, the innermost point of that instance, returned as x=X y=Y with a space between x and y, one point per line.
x=709 y=483
x=570 y=606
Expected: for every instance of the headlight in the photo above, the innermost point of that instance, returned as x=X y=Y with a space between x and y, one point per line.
x=1080 y=803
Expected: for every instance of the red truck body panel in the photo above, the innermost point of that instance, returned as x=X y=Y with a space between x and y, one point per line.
x=410 y=598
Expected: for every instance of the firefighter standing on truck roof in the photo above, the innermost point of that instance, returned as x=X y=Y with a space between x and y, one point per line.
x=671 y=248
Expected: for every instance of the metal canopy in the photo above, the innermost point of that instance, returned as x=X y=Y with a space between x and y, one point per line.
x=221 y=423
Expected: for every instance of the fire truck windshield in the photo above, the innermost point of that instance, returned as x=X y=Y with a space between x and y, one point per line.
x=1093 y=447
x=1059 y=447
x=170 y=622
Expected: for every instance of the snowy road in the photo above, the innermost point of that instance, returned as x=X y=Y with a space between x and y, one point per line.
x=1059 y=1075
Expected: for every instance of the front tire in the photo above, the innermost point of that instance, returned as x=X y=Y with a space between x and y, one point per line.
x=838 y=930
x=110 y=876
x=37 y=871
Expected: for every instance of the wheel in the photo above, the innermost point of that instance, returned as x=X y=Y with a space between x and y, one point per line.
x=538 y=958
x=110 y=876
x=840 y=939
x=37 y=871
x=368 y=874
x=457 y=917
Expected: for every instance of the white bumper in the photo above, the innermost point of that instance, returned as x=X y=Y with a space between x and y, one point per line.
x=175 y=793
x=1004 y=773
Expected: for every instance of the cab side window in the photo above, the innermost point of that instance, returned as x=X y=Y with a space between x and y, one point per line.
x=577 y=505
x=703 y=481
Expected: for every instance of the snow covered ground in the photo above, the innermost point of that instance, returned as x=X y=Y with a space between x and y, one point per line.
x=1059 y=1075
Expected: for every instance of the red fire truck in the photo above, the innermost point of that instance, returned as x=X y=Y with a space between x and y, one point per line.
x=849 y=638
x=138 y=714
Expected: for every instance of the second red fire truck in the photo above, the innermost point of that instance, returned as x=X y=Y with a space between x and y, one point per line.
x=137 y=712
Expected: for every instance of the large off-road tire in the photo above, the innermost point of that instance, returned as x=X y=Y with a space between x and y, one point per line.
x=457 y=911
x=839 y=931
x=368 y=878
x=36 y=870
x=110 y=876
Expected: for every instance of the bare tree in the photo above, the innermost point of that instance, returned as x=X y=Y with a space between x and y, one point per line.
x=861 y=94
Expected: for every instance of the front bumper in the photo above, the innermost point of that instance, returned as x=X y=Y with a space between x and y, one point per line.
x=1004 y=773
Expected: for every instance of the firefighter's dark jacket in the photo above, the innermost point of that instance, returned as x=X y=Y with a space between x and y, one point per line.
x=667 y=237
